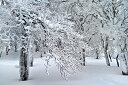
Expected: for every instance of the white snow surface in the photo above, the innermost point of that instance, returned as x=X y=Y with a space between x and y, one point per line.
x=94 y=73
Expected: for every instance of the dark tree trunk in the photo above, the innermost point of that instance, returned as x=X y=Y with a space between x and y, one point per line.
x=124 y=58
x=24 y=71
x=83 y=61
x=107 y=59
x=24 y=62
x=0 y=54
x=117 y=61
x=124 y=63
x=97 y=54
x=2 y=2
x=110 y=57
x=97 y=57
x=15 y=47
x=105 y=52
x=37 y=46
x=7 y=50
x=83 y=57
x=42 y=55
x=31 y=62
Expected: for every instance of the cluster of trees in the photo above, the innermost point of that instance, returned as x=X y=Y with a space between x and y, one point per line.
x=66 y=31
x=103 y=25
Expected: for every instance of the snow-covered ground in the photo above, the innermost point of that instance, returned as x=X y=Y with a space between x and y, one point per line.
x=94 y=73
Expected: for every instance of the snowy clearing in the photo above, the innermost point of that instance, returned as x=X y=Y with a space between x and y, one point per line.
x=94 y=73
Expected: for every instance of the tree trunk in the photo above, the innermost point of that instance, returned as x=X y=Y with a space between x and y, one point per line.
x=31 y=61
x=83 y=59
x=117 y=61
x=41 y=55
x=37 y=46
x=7 y=50
x=15 y=47
x=107 y=59
x=110 y=57
x=97 y=54
x=2 y=2
x=105 y=52
x=0 y=54
x=124 y=63
x=24 y=68
x=83 y=54
x=24 y=62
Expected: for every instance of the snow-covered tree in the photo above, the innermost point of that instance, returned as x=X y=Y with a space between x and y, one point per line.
x=64 y=30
